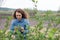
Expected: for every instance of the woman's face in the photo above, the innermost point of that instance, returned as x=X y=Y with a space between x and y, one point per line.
x=18 y=15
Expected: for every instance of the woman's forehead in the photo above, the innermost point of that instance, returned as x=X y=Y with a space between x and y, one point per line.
x=17 y=13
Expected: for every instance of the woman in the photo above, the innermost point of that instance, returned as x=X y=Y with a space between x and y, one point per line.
x=20 y=19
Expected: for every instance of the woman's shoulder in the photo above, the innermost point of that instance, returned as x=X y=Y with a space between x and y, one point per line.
x=26 y=19
x=13 y=20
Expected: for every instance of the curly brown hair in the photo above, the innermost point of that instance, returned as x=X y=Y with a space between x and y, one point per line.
x=24 y=13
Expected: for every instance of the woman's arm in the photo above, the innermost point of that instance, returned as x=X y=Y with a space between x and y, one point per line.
x=12 y=25
x=27 y=24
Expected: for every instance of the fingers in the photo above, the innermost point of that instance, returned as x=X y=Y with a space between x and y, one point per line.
x=13 y=36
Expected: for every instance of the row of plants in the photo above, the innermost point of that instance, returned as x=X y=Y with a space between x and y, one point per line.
x=35 y=33
x=38 y=32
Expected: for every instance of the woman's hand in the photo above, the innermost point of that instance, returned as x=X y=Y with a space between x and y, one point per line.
x=15 y=29
x=22 y=29
x=19 y=28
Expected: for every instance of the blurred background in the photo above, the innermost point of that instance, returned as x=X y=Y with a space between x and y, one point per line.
x=43 y=13
x=33 y=7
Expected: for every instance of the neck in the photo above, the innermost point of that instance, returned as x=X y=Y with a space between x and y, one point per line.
x=19 y=19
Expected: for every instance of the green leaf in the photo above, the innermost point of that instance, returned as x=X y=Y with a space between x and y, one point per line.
x=52 y=32
x=33 y=0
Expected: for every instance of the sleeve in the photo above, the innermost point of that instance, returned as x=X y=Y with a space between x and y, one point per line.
x=27 y=24
x=12 y=25
x=26 y=21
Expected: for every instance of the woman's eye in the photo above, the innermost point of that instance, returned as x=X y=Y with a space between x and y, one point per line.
x=18 y=15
